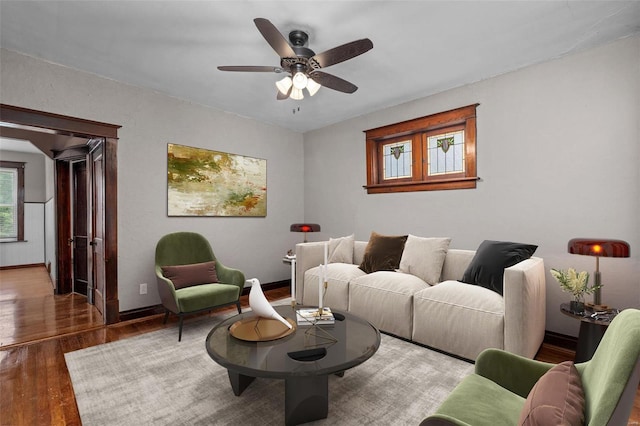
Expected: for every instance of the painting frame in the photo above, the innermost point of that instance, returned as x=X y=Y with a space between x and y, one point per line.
x=208 y=183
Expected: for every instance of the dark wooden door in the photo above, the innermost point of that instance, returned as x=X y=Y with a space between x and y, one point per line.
x=64 y=232
x=98 y=228
x=80 y=242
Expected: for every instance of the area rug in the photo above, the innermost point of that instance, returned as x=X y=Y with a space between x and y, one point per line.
x=152 y=379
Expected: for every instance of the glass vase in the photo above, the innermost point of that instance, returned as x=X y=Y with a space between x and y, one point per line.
x=576 y=306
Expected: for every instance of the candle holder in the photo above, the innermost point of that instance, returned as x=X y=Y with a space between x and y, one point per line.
x=292 y=261
x=312 y=318
x=323 y=292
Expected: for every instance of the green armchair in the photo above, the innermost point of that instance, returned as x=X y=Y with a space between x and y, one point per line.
x=192 y=249
x=496 y=393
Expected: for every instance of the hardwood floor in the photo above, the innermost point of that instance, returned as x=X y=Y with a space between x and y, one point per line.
x=35 y=386
x=29 y=311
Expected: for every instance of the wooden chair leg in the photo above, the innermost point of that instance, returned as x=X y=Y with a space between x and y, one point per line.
x=239 y=308
x=180 y=329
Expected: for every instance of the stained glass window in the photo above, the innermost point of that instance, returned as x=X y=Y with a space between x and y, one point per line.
x=429 y=153
x=446 y=153
x=397 y=159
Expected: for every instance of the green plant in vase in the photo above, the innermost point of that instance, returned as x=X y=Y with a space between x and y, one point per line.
x=576 y=283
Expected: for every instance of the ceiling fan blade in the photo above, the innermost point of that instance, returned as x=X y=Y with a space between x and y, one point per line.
x=343 y=52
x=275 y=39
x=250 y=68
x=333 y=82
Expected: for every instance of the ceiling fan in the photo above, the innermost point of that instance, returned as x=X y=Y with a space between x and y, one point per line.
x=302 y=64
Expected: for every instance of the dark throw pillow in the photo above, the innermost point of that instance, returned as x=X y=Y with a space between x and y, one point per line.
x=189 y=275
x=492 y=257
x=556 y=399
x=383 y=253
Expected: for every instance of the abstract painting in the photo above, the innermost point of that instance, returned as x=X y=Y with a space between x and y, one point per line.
x=201 y=182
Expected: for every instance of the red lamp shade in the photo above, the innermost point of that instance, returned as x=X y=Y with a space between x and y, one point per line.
x=599 y=247
x=305 y=227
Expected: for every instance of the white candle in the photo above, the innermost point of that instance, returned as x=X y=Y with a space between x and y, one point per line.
x=326 y=252
x=320 y=286
x=293 y=282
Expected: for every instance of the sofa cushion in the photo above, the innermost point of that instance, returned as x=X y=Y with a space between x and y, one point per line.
x=491 y=258
x=204 y=296
x=338 y=277
x=193 y=274
x=424 y=257
x=383 y=253
x=341 y=249
x=556 y=399
x=459 y=318
x=455 y=263
x=385 y=299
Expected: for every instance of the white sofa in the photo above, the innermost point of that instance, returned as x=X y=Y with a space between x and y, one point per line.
x=458 y=318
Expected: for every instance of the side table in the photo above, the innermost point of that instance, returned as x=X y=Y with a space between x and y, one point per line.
x=291 y=260
x=592 y=327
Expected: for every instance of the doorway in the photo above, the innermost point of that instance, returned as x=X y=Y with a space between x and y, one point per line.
x=100 y=273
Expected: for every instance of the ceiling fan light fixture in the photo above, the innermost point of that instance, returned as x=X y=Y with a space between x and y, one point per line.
x=300 y=80
x=313 y=86
x=284 y=85
x=296 y=93
x=299 y=62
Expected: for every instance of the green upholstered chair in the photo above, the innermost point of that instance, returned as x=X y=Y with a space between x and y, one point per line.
x=496 y=393
x=187 y=248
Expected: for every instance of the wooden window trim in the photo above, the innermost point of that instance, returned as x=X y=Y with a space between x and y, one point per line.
x=417 y=129
x=19 y=166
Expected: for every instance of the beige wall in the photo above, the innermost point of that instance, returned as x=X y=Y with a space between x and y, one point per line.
x=558 y=152
x=149 y=121
x=36 y=173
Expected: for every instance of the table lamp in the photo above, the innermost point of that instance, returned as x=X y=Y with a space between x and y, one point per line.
x=598 y=248
x=305 y=227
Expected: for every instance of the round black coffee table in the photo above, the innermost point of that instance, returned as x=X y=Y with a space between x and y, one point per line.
x=305 y=359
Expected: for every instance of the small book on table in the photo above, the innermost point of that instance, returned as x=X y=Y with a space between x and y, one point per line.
x=309 y=316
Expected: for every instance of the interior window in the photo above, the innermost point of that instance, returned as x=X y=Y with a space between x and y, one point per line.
x=429 y=153
x=11 y=201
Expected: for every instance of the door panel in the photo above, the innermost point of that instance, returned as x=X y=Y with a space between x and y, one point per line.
x=80 y=228
x=97 y=228
x=63 y=228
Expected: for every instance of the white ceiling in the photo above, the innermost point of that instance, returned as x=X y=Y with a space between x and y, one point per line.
x=420 y=47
